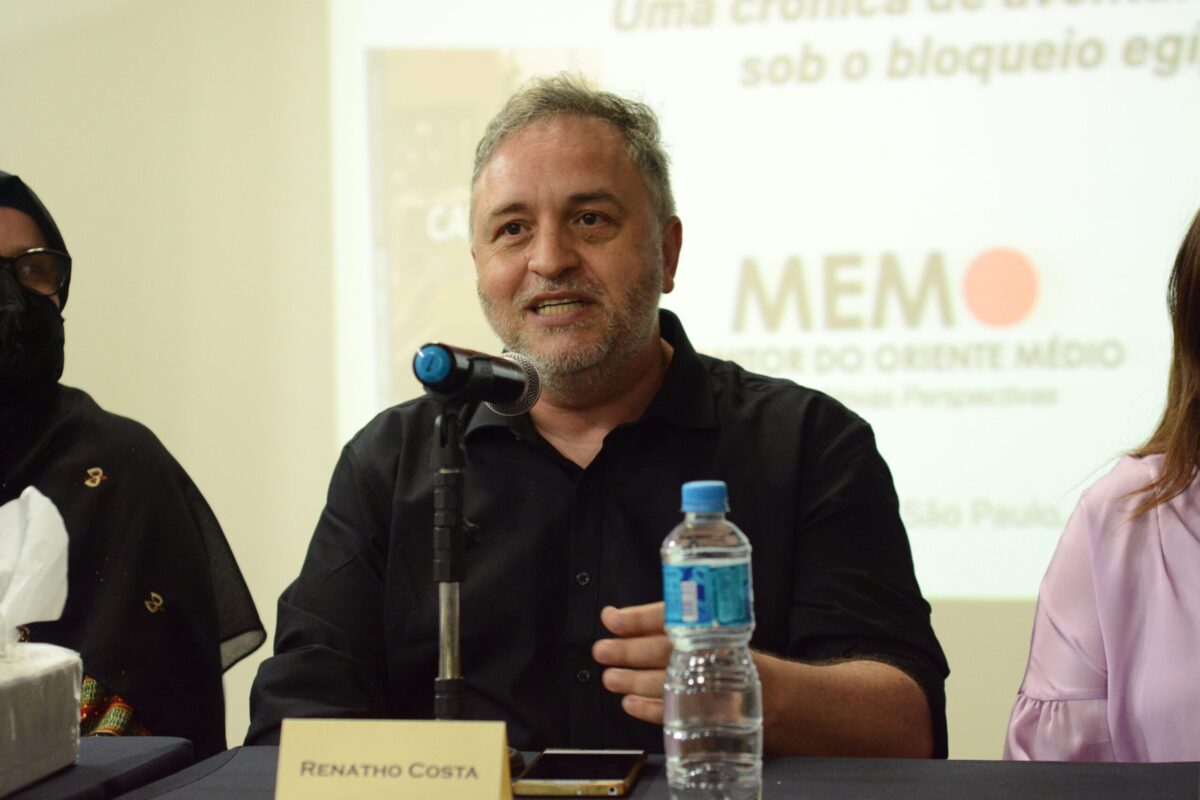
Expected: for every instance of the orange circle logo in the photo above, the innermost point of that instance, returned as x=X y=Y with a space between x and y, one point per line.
x=1000 y=287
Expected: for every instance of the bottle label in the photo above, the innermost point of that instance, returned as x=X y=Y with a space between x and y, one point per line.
x=707 y=595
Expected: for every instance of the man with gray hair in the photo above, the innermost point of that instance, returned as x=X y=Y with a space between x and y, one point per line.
x=575 y=238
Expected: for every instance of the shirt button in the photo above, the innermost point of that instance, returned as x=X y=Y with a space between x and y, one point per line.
x=589 y=487
x=583 y=579
x=583 y=676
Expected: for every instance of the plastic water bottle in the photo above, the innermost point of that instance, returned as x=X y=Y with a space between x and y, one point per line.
x=712 y=700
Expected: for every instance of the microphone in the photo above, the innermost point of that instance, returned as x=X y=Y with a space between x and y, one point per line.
x=508 y=384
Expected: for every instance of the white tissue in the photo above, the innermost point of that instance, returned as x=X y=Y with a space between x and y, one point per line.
x=33 y=565
x=39 y=683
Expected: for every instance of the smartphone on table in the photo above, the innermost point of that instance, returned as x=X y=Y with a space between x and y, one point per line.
x=581 y=773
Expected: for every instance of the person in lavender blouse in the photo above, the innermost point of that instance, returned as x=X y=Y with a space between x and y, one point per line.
x=1112 y=672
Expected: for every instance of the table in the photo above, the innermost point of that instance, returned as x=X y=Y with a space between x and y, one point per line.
x=248 y=773
x=111 y=765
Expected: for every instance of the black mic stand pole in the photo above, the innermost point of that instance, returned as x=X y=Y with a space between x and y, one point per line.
x=449 y=551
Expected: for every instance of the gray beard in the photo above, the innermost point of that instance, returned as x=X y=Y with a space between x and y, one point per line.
x=585 y=374
x=578 y=378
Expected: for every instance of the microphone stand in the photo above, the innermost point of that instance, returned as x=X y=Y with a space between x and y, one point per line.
x=449 y=549
x=449 y=552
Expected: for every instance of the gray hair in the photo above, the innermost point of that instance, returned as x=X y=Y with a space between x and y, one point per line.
x=572 y=94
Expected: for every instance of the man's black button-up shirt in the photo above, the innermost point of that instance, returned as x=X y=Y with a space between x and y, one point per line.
x=832 y=570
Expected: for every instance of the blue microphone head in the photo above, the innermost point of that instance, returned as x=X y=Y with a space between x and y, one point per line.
x=432 y=364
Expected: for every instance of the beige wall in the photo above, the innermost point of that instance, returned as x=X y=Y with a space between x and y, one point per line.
x=986 y=643
x=183 y=147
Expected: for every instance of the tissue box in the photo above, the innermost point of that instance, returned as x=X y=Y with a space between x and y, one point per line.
x=39 y=713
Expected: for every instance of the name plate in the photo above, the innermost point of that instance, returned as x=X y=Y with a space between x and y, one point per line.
x=364 y=759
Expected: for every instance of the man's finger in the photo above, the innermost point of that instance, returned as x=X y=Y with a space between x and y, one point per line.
x=646 y=683
x=643 y=651
x=643 y=708
x=634 y=620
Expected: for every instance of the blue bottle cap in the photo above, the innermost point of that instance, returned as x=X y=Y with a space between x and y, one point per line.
x=705 y=497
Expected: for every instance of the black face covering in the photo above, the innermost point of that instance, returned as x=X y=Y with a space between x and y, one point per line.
x=31 y=342
x=31 y=326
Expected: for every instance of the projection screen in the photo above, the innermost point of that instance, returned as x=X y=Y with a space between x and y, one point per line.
x=956 y=216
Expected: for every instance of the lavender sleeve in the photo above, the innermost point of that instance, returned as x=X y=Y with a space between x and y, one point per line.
x=1061 y=711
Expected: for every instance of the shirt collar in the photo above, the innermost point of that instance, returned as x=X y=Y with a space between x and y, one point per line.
x=684 y=398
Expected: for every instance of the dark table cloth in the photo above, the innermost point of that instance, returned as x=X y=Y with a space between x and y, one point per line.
x=249 y=773
x=109 y=766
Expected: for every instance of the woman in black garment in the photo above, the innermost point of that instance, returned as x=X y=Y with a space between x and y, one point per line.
x=156 y=604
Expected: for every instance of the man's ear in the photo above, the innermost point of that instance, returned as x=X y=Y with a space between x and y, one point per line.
x=672 y=242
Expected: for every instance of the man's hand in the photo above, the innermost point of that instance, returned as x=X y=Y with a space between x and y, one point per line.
x=848 y=708
x=636 y=659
